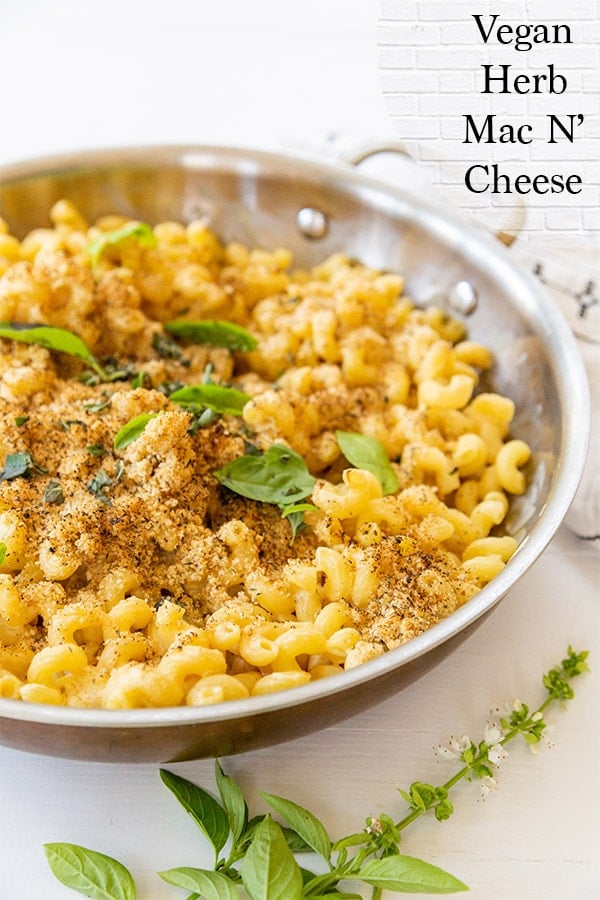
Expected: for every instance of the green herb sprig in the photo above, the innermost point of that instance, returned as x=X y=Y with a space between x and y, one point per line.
x=213 y=333
x=365 y=452
x=98 y=483
x=52 y=338
x=90 y=873
x=131 y=431
x=113 y=371
x=280 y=476
x=222 y=400
x=96 y=450
x=137 y=231
x=20 y=465
x=53 y=492
x=205 y=402
x=258 y=855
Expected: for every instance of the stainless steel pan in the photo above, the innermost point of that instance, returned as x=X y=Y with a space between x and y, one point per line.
x=317 y=209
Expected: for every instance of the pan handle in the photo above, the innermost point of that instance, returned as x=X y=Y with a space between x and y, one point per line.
x=357 y=155
x=364 y=151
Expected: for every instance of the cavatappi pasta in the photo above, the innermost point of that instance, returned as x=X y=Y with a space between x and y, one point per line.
x=132 y=577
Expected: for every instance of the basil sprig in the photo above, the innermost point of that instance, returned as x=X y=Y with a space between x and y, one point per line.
x=52 y=339
x=366 y=452
x=141 y=232
x=214 y=333
x=222 y=400
x=258 y=853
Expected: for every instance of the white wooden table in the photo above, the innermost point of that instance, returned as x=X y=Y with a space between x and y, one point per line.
x=538 y=837
x=236 y=72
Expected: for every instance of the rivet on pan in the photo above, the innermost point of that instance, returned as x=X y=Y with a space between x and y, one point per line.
x=463 y=298
x=312 y=223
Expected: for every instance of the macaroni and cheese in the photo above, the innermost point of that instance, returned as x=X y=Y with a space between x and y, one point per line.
x=131 y=575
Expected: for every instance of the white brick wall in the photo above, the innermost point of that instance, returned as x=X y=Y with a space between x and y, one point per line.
x=430 y=58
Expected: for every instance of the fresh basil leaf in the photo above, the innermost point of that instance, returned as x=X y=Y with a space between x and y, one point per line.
x=303 y=822
x=299 y=508
x=3 y=552
x=366 y=452
x=209 y=884
x=294 y=841
x=408 y=875
x=20 y=465
x=141 y=232
x=248 y=835
x=90 y=873
x=132 y=430
x=269 y=869
x=52 y=339
x=222 y=400
x=21 y=420
x=202 y=807
x=233 y=802
x=297 y=524
x=214 y=333
x=278 y=476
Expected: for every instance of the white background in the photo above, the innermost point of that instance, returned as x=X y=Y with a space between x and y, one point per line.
x=77 y=74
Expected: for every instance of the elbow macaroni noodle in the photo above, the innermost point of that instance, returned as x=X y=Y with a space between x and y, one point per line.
x=161 y=588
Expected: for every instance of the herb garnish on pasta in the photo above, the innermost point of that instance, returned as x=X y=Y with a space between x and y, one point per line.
x=230 y=401
x=215 y=333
